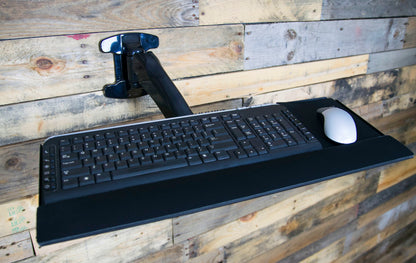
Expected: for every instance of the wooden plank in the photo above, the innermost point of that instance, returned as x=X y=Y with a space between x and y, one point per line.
x=21 y=162
x=17 y=216
x=305 y=227
x=354 y=92
x=391 y=59
x=396 y=173
x=398 y=247
x=377 y=230
x=33 y=69
x=306 y=238
x=279 y=212
x=269 y=45
x=410 y=38
x=43 y=118
x=45 y=18
x=253 y=82
x=118 y=246
x=15 y=247
x=188 y=226
x=213 y=12
x=341 y=9
x=19 y=174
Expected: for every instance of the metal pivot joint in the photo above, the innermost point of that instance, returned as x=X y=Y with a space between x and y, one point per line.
x=138 y=72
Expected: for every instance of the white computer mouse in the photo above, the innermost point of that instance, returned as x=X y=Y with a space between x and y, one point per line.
x=339 y=126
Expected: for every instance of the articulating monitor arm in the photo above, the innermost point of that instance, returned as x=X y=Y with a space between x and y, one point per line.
x=138 y=72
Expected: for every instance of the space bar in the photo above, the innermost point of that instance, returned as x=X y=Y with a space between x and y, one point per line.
x=146 y=169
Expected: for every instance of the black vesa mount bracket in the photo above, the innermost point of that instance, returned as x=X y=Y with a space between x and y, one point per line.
x=138 y=72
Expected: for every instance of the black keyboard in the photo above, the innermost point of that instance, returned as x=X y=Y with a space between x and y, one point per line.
x=103 y=160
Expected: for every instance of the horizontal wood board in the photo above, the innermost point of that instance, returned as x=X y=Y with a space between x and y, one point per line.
x=258 y=11
x=65 y=65
x=275 y=44
x=347 y=9
x=26 y=18
x=391 y=59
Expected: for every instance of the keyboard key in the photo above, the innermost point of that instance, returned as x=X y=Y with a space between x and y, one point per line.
x=150 y=168
x=68 y=183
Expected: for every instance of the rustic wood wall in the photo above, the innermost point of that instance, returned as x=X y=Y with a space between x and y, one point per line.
x=221 y=54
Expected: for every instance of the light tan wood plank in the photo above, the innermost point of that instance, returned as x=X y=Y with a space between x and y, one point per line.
x=15 y=247
x=396 y=173
x=254 y=82
x=17 y=216
x=27 y=18
x=247 y=11
x=33 y=69
x=410 y=39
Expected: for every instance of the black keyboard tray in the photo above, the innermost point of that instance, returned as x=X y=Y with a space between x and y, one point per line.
x=81 y=217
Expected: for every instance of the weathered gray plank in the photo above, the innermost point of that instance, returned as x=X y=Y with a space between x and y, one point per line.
x=37 y=68
x=287 y=43
x=391 y=59
x=248 y=11
x=15 y=247
x=347 y=9
x=26 y=18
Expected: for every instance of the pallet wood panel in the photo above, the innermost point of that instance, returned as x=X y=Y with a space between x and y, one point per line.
x=279 y=212
x=253 y=82
x=269 y=45
x=23 y=19
x=391 y=59
x=341 y=9
x=18 y=215
x=38 y=119
x=410 y=39
x=16 y=247
x=306 y=226
x=118 y=246
x=33 y=69
x=236 y=11
x=188 y=226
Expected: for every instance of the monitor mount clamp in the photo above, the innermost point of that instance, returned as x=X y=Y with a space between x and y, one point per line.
x=138 y=72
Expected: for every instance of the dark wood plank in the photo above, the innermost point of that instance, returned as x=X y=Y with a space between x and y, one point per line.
x=287 y=43
x=22 y=19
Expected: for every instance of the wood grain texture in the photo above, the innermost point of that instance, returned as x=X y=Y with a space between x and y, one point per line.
x=279 y=212
x=236 y=11
x=19 y=171
x=188 y=226
x=391 y=59
x=410 y=38
x=15 y=247
x=118 y=246
x=269 y=45
x=253 y=82
x=18 y=215
x=305 y=227
x=46 y=18
x=64 y=65
x=347 y=9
